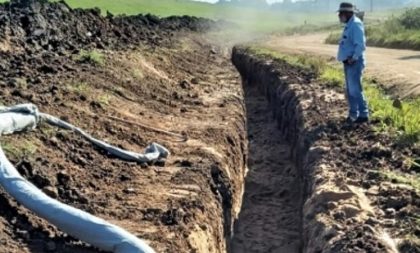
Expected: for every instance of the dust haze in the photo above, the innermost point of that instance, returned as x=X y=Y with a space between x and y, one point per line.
x=248 y=20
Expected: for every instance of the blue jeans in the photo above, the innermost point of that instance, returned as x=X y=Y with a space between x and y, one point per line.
x=358 y=106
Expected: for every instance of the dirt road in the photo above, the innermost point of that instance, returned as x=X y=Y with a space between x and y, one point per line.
x=398 y=70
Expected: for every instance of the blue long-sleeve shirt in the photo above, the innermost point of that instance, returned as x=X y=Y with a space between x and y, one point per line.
x=353 y=41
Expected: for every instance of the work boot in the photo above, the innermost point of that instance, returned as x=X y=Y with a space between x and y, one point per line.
x=350 y=121
x=361 y=120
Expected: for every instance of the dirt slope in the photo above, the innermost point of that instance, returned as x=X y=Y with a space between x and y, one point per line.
x=396 y=69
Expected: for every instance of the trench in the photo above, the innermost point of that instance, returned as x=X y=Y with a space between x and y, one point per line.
x=270 y=219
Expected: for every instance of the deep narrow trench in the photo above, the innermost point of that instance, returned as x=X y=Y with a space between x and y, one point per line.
x=270 y=219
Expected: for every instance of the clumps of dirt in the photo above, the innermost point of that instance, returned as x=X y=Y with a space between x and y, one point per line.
x=55 y=27
x=351 y=206
x=187 y=204
x=40 y=40
x=170 y=206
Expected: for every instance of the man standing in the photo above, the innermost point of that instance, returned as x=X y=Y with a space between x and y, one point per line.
x=352 y=53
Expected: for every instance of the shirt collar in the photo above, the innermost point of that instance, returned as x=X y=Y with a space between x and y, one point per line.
x=350 y=21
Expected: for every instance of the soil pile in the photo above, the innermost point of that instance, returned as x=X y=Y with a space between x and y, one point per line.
x=39 y=25
x=151 y=72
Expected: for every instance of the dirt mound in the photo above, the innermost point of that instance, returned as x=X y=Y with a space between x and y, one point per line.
x=40 y=25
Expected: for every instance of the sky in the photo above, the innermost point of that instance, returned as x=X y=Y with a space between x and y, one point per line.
x=214 y=1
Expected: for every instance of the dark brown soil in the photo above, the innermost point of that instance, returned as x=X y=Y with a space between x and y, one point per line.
x=152 y=73
x=54 y=27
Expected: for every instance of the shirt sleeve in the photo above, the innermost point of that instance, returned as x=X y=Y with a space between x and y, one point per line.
x=359 y=40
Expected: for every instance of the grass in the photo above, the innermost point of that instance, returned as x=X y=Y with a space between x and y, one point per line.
x=80 y=88
x=93 y=56
x=332 y=77
x=18 y=150
x=400 y=118
x=402 y=32
x=333 y=38
x=300 y=60
x=104 y=99
x=402 y=178
x=250 y=20
x=262 y=19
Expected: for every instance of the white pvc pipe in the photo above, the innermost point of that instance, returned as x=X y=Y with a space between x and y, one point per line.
x=74 y=222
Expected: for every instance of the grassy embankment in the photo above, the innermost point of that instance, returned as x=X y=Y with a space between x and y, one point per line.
x=402 y=32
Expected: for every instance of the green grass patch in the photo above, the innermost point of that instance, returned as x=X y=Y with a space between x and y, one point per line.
x=332 y=77
x=104 y=99
x=402 y=116
x=402 y=178
x=299 y=60
x=93 y=57
x=18 y=150
x=398 y=117
x=81 y=88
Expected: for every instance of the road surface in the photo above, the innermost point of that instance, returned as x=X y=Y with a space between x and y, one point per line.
x=396 y=69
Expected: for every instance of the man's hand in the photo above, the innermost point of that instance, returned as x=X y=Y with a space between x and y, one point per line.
x=349 y=61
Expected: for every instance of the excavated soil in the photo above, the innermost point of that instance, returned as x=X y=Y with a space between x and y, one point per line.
x=274 y=138
x=159 y=73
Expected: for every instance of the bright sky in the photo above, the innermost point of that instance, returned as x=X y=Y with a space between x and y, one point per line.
x=214 y=1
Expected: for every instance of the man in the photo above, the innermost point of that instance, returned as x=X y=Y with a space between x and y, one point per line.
x=352 y=53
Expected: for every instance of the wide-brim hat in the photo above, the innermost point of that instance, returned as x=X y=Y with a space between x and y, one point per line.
x=346 y=7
